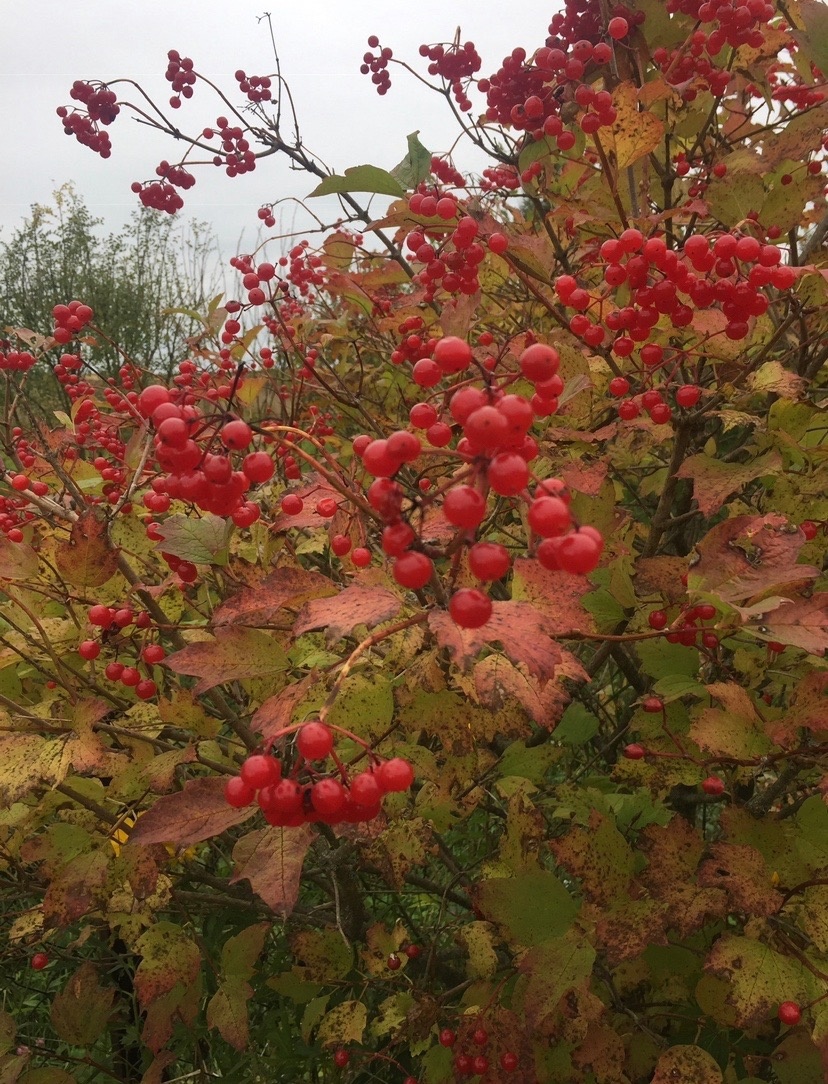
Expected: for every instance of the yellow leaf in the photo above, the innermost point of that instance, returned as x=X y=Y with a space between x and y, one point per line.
x=634 y=133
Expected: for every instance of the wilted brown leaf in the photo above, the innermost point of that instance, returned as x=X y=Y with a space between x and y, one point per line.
x=288 y=588
x=235 y=654
x=714 y=480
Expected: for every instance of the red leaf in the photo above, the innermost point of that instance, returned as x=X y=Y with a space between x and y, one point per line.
x=197 y=812
x=271 y=859
x=800 y=622
x=356 y=605
x=311 y=495
x=714 y=480
x=277 y=711
x=286 y=588
x=88 y=558
x=519 y=626
x=747 y=558
x=235 y=654
x=497 y=681
x=557 y=595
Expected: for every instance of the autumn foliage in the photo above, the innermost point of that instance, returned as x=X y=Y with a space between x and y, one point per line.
x=429 y=683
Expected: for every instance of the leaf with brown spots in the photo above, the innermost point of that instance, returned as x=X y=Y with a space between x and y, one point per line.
x=687 y=1065
x=714 y=480
x=88 y=558
x=801 y=623
x=741 y=872
x=519 y=626
x=236 y=654
x=635 y=132
x=598 y=856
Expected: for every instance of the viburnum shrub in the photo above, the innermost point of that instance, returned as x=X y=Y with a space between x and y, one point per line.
x=428 y=681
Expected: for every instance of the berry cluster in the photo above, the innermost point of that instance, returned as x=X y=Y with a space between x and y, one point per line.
x=496 y=449
x=446 y=173
x=158 y=195
x=16 y=361
x=181 y=75
x=453 y=264
x=456 y=65
x=376 y=65
x=685 y=629
x=112 y=621
x=255 y=87
x=297 y=789
x=236 y=155
x=70 y=320
x=474 y=1061
x=101 y=109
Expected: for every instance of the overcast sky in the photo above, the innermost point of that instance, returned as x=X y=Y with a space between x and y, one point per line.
x=49 y=43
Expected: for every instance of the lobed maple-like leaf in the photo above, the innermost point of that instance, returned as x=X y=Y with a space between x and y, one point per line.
x=202 y=540
x=801 y=622
x=287 y=588
x=714 y=480
x=519 y=627
x=169 y=957
x=748 y=558
x=235 y=654
x=271 y=860
x=741 y=872
x=498 y=681
x=355 y=605
x=198 y=812
x=81 y=1011
x=88 y=558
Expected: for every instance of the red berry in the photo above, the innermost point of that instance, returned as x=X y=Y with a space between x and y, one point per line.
x=395 y=775
x=634 y=751
x=413 y=951
x=447 y=1037
x=713 y=785
x=618 y=28
x=657 y=620
x=789 y=1013
x=89 y=649
x=292 y=504
x=314 y=741
x=258 y=466
x=236 y=435
x=341 y=1058
x=464 y=506
x=413 y=570
x=452 y=355
x=340 y=544
x=237 y=793
x=470 y=608
x=393 y=962
x=361 y=557
x=688 y=395
x=146 y=689
x=261 y=770
x=653 y=704
x=489 y=560
x=39 y=961
x=480 y=1036
x=509 y=1062
x=539 y=362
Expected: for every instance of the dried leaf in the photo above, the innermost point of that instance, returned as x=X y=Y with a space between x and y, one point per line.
x=271 y=859
x=356 y=605
x=81 y=1011
x=277 y=711
x=635 y=132
x=18 y=561
x=197 y=812
x=741 y=872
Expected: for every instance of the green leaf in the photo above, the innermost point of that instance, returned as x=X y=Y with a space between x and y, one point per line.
x=360 y=179
x=81 y=1011
x=227 y=1012
x=675 y=686
x=814 y=42
x=201 y=541
x=531 y=908
x=240 y=953
x=416 y=165
x=577 y=726
x=345 y=1023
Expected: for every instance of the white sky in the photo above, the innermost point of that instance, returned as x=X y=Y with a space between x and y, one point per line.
x=49 y=43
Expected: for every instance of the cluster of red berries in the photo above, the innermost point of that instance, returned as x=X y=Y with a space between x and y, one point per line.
x=70 y=320
x=685 y=630
x=446 y=173
x=453 y=265
x=111 y=619
x=101 y=109
x=158 y=195
x=376 y=65
x=236 y=155
x=16 y=361
x=180 y=74
x=496 y=448
x=297 y=790
x=456 y=65
x=581 y=20
x=255 y=87
x=469 y=1063
x=194 y=474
